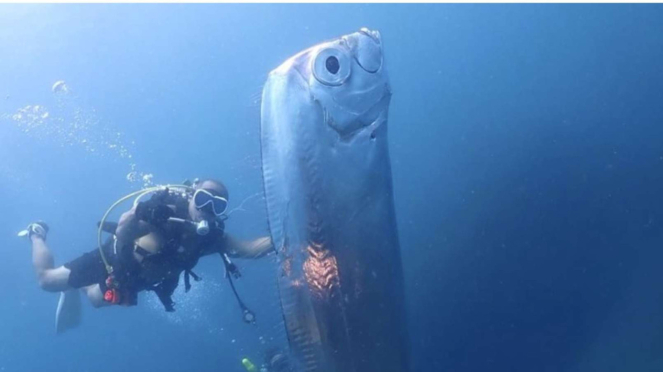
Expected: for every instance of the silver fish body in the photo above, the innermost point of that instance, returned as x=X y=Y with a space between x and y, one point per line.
x=328 y=188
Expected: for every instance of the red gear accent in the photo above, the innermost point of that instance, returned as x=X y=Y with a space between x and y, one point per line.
x=112 y=296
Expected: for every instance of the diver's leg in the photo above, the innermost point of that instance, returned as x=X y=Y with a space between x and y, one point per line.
x=68 y=311
x=50 y=279
x=95 y=295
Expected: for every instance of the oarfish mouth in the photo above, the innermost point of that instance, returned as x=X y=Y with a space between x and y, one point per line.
x=367 y=49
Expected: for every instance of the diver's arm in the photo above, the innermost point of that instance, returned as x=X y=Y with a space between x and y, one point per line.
x=236 y=248
x=255 y=248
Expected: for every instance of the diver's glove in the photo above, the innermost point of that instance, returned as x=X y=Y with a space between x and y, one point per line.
x=155 y=211
x=38 y=228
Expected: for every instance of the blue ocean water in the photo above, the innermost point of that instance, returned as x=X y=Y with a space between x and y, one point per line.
x=527 y=155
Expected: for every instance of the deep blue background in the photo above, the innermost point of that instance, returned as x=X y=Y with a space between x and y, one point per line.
x=527 y=153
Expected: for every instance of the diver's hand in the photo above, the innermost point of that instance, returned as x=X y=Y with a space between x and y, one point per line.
x=154 y=214
x=155 y=211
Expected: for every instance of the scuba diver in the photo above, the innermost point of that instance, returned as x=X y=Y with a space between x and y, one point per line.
x=153 y=243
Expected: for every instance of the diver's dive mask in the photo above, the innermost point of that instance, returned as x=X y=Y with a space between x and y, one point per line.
x=205 y=200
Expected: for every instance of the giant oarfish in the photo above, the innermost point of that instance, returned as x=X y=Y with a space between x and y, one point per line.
x=328 y=188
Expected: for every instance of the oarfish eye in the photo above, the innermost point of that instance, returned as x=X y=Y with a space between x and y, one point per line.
x=332 y=66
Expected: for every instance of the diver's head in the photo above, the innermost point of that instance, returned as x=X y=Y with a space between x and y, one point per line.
x=209 y=201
